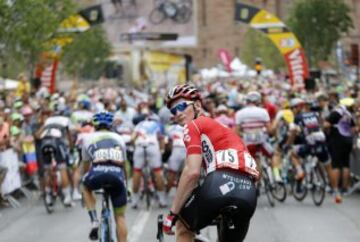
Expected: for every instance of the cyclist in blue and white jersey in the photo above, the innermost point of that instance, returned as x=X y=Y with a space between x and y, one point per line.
x=307 y=135
x=103 y=155
x=149 y=145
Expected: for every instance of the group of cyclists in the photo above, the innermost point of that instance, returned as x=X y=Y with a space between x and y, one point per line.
x=208 y=133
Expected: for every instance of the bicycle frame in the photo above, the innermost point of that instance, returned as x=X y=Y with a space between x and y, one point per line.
x=54 y=180
x=105 y=225
x=147 y=178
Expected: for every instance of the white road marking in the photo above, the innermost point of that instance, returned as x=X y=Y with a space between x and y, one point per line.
x=138 y=227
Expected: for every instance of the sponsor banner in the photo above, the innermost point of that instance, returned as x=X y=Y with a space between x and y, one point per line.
x=279 y=34
x=164 y=69
x=46 y=72
x=83 y=20
x=225 y=58
x=130 y=37
x=298 y=69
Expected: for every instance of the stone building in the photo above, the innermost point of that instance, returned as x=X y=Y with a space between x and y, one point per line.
x=216 y=27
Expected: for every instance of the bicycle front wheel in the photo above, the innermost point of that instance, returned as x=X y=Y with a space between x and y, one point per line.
x=318 y=190
x=268 y=189
x=278 y=190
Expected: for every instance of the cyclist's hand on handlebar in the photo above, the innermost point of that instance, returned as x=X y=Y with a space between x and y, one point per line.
x=169 y=222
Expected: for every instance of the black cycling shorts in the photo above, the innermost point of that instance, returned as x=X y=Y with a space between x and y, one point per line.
x=220 y=189
x=319 y=150
x=56 y=146
x=111 y=179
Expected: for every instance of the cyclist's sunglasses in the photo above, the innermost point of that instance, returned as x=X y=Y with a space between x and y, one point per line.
x=180 y=107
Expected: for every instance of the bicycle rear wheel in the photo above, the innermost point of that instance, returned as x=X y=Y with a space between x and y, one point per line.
x=221 y=230
x=157 y=16
x=318 y=190
x=105 y=231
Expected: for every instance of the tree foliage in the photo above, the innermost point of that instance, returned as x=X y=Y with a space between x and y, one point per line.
x=85 y=57
x=25 y=25
x=257 y=44
x=319 y=24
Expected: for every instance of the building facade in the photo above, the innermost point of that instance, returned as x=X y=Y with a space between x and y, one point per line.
x=217 y=29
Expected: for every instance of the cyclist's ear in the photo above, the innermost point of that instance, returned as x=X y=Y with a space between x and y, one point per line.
x=197 y=106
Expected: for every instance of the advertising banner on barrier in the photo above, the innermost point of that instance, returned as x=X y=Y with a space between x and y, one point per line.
x=281 y=36
x=12 y=181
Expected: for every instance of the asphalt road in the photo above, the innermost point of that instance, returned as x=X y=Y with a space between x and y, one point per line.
x=288 y=222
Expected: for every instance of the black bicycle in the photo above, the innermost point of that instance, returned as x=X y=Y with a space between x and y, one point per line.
x=313 y=181
x=180 y=11
x=54 y=177
x=105 y=228
x=148 y=189
x=274 y=190
x=224 y=223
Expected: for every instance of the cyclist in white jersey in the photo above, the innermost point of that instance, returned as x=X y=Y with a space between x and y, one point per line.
x=175 y=132
x=149 y=143
x=82 y=114
x=253 y=124
x=125 y=113
x=56 y=134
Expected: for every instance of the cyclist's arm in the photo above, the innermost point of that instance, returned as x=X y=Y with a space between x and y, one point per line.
x=85 y=167
x=38 y=132
x=134 y=137
x=69 y=138
x=294 y=130
x=161 y=144
x=188 y=181
x=269 y=128
x=238 y=129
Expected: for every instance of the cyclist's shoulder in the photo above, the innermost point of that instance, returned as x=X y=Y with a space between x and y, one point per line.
x=202 y=121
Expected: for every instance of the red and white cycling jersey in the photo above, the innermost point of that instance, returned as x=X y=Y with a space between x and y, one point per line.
x=252 y=121
x=220 y=147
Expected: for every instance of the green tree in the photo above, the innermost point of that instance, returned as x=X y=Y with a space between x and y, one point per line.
x=319 y=24
x=257 y=44
x=25 y=25
x=85 y=57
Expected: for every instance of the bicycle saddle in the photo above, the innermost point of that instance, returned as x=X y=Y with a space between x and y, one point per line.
x=228 y=211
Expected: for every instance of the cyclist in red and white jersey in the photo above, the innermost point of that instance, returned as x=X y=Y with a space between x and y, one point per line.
x=230 y=171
